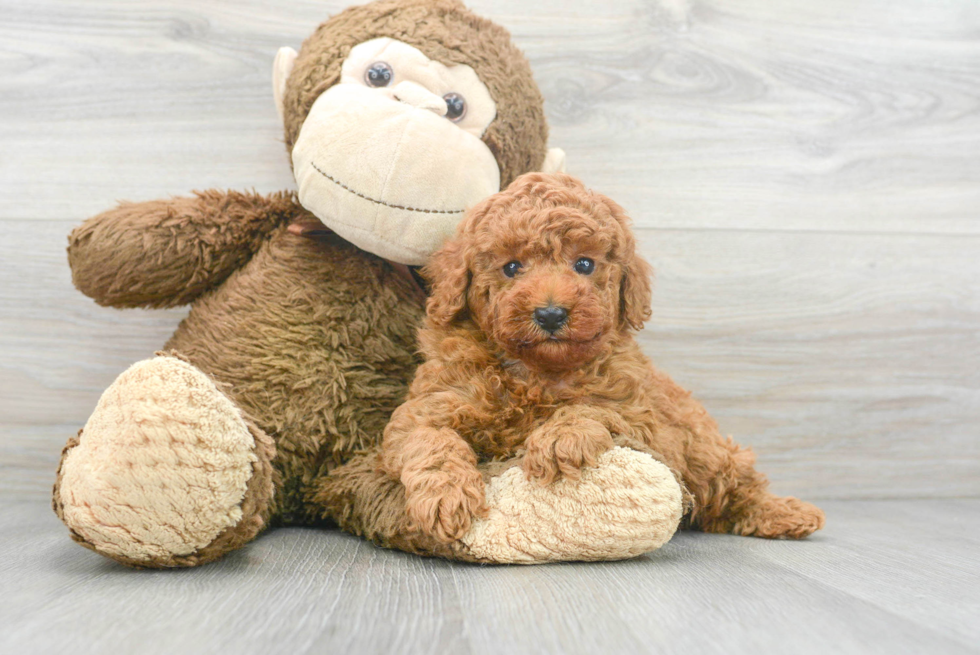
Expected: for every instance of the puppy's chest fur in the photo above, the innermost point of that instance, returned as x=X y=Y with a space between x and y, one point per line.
x=515 y=404
x=495 y=403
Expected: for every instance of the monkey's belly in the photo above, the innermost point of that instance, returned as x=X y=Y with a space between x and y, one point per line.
x=315 y=341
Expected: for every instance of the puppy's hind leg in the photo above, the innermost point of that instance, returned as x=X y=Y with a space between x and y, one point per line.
x=732 y=497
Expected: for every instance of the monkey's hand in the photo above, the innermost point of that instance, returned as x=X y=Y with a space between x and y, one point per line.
x=165 y=253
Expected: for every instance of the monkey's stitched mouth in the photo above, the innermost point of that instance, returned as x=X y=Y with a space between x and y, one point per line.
x=381 y=202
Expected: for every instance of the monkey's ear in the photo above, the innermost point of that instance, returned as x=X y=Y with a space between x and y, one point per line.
x=554 y=161
x=449 y=273
x=282 y=66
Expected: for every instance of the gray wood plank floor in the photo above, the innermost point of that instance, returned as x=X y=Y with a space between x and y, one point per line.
x=884 y=577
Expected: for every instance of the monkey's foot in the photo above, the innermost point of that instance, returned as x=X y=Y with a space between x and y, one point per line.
x=627 y=505
x=167 y=471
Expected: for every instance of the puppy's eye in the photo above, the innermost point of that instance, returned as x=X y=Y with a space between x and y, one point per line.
x=584 y=265
x=511 y=268
x=379 y=74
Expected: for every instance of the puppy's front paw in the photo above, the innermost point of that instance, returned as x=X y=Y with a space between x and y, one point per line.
x=565 y=451
x=442 y=504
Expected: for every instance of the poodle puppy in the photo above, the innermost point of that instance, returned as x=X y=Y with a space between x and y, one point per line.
x=530 y=354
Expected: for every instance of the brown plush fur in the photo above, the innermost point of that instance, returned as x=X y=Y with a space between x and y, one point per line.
x=495 y=384
x=166 y=253
x=312 y=338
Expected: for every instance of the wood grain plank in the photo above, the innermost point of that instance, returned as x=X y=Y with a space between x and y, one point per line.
x=300 y=590
x=849 y=362
x=849 y=116
x=883 y=564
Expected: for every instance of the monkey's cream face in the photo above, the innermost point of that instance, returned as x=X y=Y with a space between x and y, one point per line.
x=391 y=157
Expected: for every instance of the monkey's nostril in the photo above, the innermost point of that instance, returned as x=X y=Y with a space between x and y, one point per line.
x=550 y=318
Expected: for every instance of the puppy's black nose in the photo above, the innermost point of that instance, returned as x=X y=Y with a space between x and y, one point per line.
x=550 y=318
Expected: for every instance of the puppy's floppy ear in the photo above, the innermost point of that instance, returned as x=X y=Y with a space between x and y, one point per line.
x=634 y=287
x=449 y=273
x=634 y=293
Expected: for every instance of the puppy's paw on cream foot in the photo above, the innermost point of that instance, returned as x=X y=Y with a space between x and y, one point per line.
x=167 y=471
x=627 y=505
x=565 y=451
x=442 y=506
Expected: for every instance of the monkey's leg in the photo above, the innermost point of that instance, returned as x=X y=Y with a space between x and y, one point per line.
x=168 y=471
x=732 y=497
x=627 y=505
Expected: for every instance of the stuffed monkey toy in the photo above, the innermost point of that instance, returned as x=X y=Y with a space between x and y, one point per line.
x=267 y=405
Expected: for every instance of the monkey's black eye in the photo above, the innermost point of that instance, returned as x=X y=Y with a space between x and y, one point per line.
x=584 y=265
x=455 y=106
x=511 y=268
x=379 y=74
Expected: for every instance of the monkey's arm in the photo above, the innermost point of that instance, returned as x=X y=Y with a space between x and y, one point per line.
x=165 y=253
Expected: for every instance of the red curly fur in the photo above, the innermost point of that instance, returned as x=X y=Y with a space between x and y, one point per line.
x=496 y=385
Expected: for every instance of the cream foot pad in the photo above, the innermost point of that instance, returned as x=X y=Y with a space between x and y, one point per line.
x=629 y=504
x=162 y=465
